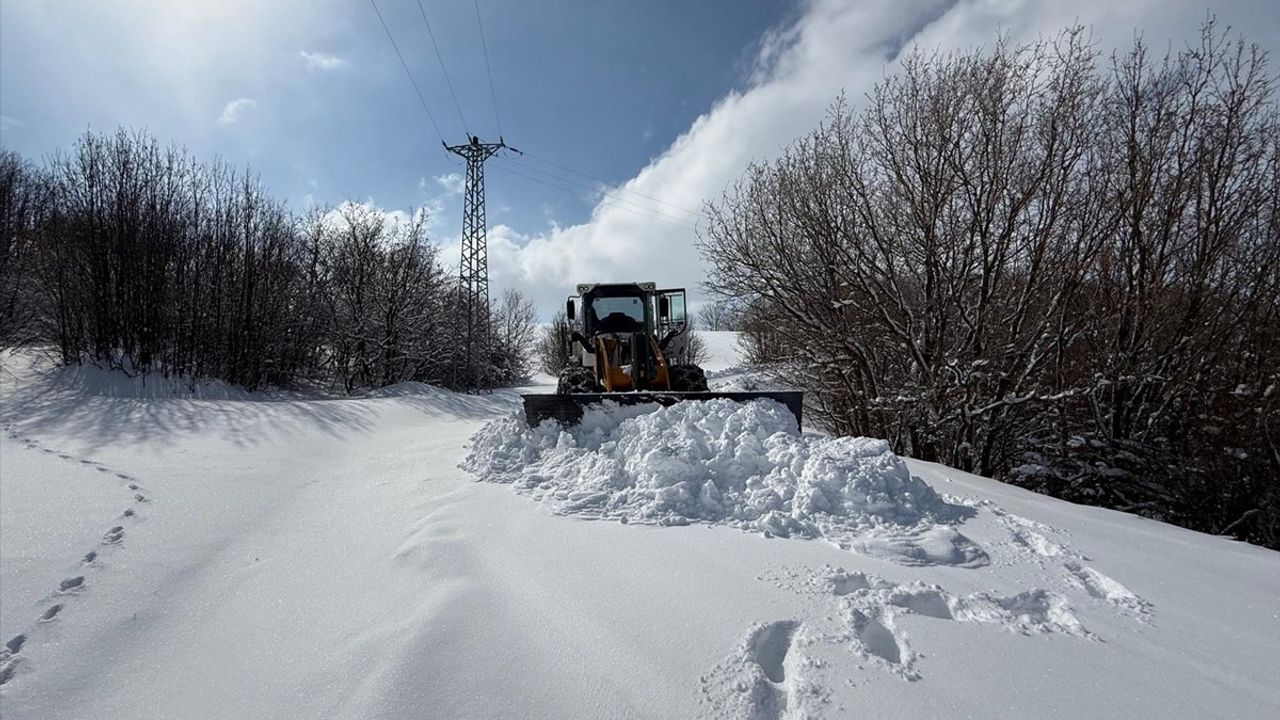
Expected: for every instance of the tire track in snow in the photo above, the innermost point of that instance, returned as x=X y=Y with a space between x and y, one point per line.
x=75 y=584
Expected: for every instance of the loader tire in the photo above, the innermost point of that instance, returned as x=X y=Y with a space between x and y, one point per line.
x=687 y=378
x=577 y=379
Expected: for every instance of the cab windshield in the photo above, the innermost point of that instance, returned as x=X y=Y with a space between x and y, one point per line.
x=621 y=314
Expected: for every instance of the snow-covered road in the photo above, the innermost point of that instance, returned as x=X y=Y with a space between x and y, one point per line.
x=299 y=557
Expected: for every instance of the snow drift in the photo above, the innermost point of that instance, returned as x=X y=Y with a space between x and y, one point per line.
x=276 y=536
x=722 y=462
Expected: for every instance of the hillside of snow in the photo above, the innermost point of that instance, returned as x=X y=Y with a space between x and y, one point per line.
x=413 y=553
x=722 y=350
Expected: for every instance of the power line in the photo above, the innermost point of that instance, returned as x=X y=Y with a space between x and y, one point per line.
x=484 y=48
x=616 y=194
x=613 y=197
x=611 y=202
x=444 y=72
x=604 y=191
x=405 y=65
x=606 y=182
x=585 y=193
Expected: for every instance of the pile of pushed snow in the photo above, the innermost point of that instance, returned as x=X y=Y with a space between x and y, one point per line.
x=719 y=461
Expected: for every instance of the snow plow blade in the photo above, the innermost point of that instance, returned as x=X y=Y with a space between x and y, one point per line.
x=567 y=409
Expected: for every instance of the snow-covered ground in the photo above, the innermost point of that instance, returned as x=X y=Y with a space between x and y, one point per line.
x=722 y=350
x=168 y=554
x=727 y=369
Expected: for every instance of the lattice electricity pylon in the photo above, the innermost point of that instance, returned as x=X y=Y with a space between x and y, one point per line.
x=474 y=270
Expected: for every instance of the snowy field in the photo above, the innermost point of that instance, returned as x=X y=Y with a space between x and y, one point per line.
x=215 y=554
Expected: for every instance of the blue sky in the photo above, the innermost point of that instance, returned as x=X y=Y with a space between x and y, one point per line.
x=666 y=101
x=598 y=86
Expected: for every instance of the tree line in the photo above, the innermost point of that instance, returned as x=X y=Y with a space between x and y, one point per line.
x=135 y=256
x=1039 y=264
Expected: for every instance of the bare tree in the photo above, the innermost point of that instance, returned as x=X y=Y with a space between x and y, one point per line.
x=24 y=203
x=718 y=315
x=515 y=330
x=694 y=350
x=1013 y=260
x=134 y=256
x=553 y=344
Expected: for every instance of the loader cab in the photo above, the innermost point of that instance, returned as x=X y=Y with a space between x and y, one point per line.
x=625 y=308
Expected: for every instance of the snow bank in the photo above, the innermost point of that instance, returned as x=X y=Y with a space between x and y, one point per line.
x=739 y=464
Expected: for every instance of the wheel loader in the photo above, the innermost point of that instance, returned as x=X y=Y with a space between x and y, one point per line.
x=629 y=345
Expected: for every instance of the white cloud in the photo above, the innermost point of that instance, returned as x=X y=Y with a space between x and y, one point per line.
x=436 y=203
x=435 y=208
x=452 y=183
x=9 y=123
x=232 y=111
x=505 y=245
x=322 y=61
x=334 y=218
x=834 y=46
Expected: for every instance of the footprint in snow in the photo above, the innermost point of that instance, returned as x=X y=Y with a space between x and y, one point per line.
x=8 y=659
x=761 y=677
x=71 y=584
x=51 y=613
x=1031 y=538
x=113 y=536
x=880 y=639
x=769 y=646
x=8 y=666
x=872 y=606
x=1104 y=587
x=90 y=556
